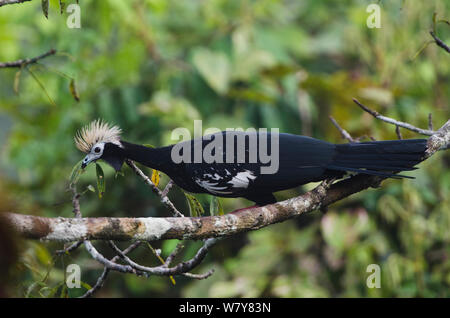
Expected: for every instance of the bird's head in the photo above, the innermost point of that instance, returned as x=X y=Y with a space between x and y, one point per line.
x=99 y=140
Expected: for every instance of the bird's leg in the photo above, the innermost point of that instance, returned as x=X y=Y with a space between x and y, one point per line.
x=260 y=200
x=242 y=209
x=322 y=190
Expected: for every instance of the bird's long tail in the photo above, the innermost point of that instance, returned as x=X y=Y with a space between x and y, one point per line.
x=382 y=158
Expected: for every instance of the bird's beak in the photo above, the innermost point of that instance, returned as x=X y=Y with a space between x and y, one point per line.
x=87 y=160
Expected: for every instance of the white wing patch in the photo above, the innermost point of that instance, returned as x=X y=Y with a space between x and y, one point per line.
x=219 y=185
x=242 y=179
x=212 y=187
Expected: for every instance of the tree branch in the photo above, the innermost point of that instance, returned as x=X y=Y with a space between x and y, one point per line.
x=157 y=228
x=344 y=133
x=24 y=62
x=439 y=42
x=6 y=2
x=106 y=270
x=161 y=194
x=397 y=123
x=162 y=270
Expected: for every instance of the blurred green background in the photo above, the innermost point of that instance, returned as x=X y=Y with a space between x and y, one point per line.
x=151 y=66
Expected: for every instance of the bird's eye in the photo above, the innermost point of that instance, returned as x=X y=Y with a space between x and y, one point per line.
x=97 y=149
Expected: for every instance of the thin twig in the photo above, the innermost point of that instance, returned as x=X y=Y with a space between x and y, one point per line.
x=393 y=121
x=162 y=270
x=439 y=42
x=200 y=276
x=343 y=132
x=76 y=201
x=174 y=254
x=70 y=248
x=90 y=248
x=167 y=189
x=398 y=132
x=164 y=199
x=102 y=278
x=106 y=262
x=155 y=270
x=6 y=2
x=24 y=62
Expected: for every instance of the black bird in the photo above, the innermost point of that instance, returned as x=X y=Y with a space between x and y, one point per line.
x=239 y=162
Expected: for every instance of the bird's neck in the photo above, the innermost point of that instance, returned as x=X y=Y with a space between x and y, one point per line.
x=155 y=158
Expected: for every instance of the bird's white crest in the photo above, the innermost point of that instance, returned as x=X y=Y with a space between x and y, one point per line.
x=97 y=131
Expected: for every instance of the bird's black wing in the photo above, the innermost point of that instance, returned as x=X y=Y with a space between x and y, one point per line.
x=300 y=160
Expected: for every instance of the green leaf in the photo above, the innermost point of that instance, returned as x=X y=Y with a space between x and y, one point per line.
x=149 y=146
x=220 y=207
x=73 y=90
x=17 y=81
x=215 y=207
x=32 y=287
x=434 y=21
x=423 y=47
x=76 y=172
x=54 y=290
x=91 y=188
x=119 y=173
x=155 y=177
x=161 y=260
x=43 y=255
x=64 y=293
x=44 y=4
x=62 y=5
x=43 y=290
x=100 y=180
x=41 y=86
x=195 y=207
x=85 y=285
x=214 y=67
